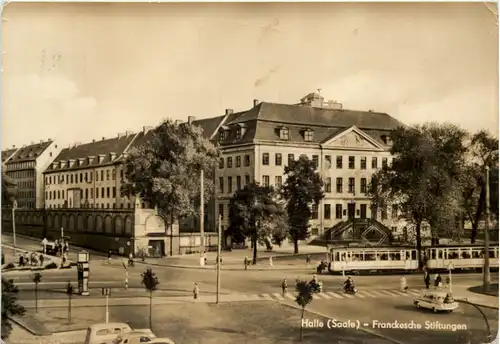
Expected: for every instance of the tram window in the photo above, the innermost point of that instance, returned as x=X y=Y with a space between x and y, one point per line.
x=452 y=254
x=395 y=256
x=492 y=253
x=357 y=256
x=433 y=254
x=382 y=256
x=414 y=255
x=476 y=254
x=370 y=256
x=440 y=254
x=466 y=254
x=337 y=256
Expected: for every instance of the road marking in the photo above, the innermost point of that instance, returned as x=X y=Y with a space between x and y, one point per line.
x=366 y=294
x=377 y=293
x=289 y=296
x=401 y=293
x=334 y=295
x=254 y=297
x=316 y=297
x=278 y=296
x=360 y=295
x=388 y=292
x=349 y=296
x=414 y=293
x=324 y=295
x=267 y=297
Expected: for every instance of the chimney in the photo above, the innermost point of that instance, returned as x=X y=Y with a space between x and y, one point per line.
x=93 y=140
x=229 y=111
x=191 y=119
x=255 y=102
x=103 y=138
x=13 y=146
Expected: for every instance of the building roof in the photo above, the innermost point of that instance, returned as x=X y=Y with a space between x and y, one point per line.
x=105 y=147
x=263 y=121
x=209 y=125
x=29 y=153
x=6 y=154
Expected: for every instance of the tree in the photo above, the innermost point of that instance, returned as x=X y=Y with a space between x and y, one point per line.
x=150 y=283
x=9 y=189
x=165 y=170
x=303 y=298
x=302 y=189
x=422 y=180
x=69 y=292
x=255 y=212
x=483 y=151
x=36 y=278
x=10 y=306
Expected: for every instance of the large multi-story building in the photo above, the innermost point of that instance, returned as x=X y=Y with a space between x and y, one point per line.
x=25 y=166
x=90 y=175
x=348 y=147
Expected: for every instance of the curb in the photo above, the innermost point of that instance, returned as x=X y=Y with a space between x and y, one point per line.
x=373 y=333
x=179 y=266
x=27 y=328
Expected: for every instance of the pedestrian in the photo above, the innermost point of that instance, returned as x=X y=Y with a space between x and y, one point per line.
x=21 y=260
x=196 y=291
x=438 y=281
x=44 y=244
x=245 y=261
x=109 y=257
x=427 y=280
x=404 y=284
x=284 y=287
x=205 y=258
x=271 y=261
x=308 y=260
x=41 y=259
x=448 y=281
x=27 y=258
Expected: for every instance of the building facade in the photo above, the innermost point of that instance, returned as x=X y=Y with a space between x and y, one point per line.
x=26 y=167
x=90 y=175
x=347 y=146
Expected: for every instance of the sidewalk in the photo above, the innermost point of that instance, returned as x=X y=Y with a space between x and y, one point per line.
x=463 y=292
x=49 y=260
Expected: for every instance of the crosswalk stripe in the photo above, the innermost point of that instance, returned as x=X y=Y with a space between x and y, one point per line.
x=267 y=297
x=289 y=296
x=316 y=297
x=254 y=297
x=414 y=293
x=388 y=292
x=349 y=296
x=366 y=294
x=361 y=295
x=401 y=293
x=278 y=296
x=377 y=293
x=334 y=295
x=325 y=296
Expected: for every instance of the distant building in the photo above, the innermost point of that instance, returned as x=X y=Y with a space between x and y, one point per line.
x=90 y=175
x=25 y=166
x=348 y=147
x=8 y=154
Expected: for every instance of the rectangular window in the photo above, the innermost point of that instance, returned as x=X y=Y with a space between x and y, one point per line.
x=114 y=192
x=328 y=211
x=339 y=185
x=71 y=179
x=363 y=211
x=229 y=162
x=121 y=175
x=363 y=185
x=384 y=162
x=230 y=184
x=351 y=163
x=86 y=193
x=102 y=192
x=363 y=163
x=92 y=193
x=238 y=183
x=247 y=179
x=315 y=160
x=278 y=181
x=338 y=211
x=102 y=175
x=265 y=180
x=351 y=185
x=108 y=174
x=81 y=177
x=291 y=158
x=247 y=160
x=328 y=159
x=278 y=159
x=314 y=211
x=339 y=161
x=96 y=176
x=221 y=211
x=238 y=161
x=374 y=162
x=221 y=184
x=328 y=185
x=265 y=159
x=113 y=174
x=221 y=163
x=394 y=214
x=108 y=193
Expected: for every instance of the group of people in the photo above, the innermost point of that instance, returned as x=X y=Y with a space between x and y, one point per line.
x=33 y=259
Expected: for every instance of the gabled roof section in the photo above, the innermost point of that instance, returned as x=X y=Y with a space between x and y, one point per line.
x=7 y=154
x=29 y=153
x=359 y=136
x=210 y=125
x=116 y=145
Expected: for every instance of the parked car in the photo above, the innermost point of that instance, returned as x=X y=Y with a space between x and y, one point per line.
x=51 y=248
x=438 y=301
x=140 y=337
x=107 y=333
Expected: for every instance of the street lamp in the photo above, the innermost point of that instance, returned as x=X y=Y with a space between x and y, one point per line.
x=486 y=269
x=14 y=207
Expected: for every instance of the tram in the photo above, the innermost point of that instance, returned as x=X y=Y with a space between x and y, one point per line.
x=405 y=259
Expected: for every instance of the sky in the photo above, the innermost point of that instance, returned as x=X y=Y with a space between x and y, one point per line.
x=77 y=72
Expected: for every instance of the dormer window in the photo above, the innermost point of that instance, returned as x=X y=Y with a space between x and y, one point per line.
x=238 y=133
x=384 y=139
x=284 y=133
x=100 y=158
x=222 y=135
x=308 y=135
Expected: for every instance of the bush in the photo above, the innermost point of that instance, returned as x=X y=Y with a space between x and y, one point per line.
x=10 y=266
x=51 y=265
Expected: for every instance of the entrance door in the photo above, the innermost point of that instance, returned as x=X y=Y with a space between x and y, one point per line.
x=363 y=211
x=351 y=210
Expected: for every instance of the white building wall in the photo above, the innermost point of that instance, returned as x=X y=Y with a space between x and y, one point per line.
x=42 y=162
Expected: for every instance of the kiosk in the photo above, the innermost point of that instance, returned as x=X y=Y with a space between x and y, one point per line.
x=83 y=268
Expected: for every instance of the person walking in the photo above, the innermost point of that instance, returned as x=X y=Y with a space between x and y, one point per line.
x=196 y=291
x=245 y=261
x=41 y=259
x=427 y=280
x=109 y=257
x=403 y=284
x=438 y=281
x=284 y=286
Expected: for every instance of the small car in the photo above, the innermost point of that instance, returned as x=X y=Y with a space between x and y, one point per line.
x=140 y=337
x=436 y=300
x=107 y=333
x=51 y=248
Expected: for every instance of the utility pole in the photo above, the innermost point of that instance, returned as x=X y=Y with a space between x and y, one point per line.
x=218 y=258
x=486 y=269
x=14 y=206
x=202 y=218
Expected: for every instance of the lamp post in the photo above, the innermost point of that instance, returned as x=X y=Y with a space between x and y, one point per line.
x=14 y=207
x=202 y=218
x=486 y=269
x=218 y=258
